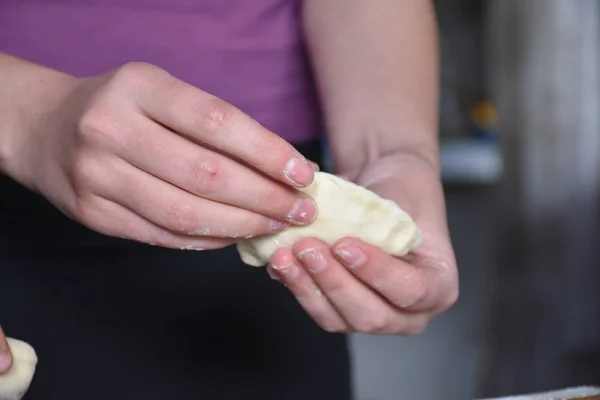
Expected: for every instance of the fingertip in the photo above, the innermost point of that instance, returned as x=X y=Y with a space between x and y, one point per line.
x=298 y=171
x=283 y=265
x=5 y=362
x=304 y=211
x=282 y=257
x=272 y=274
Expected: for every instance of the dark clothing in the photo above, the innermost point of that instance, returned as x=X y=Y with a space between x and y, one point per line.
x=114 y=319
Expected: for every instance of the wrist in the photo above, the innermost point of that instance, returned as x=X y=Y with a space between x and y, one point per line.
x=417 y=161
x=30 y=95
x=425 y=154
x=388 y=148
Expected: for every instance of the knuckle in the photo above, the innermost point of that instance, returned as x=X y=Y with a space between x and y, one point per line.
x=135 y=79
x=204 y=176
x=97 y=126
x=374 y=323
x=84 y=175
x=335 y=289
x=416 y=289
x=83 y=210
x=254 y=225
x=134 y=71
x=215 y=115
x=181 y=218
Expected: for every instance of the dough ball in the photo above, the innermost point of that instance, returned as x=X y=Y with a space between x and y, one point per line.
x=16 y=381
x=345 y=209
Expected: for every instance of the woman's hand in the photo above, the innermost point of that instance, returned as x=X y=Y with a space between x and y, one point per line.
x=139 y=154
x=355 y=287
x=5 y=356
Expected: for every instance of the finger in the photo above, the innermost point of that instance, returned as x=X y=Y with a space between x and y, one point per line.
x=401 y=283
x=112 y=219
x=211 y=175
x=206 y=119
x=285 y=268
x=177 y=210
x=363 y=309
x=6 y=359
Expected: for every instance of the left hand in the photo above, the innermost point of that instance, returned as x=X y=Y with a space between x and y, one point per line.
x=355 y=287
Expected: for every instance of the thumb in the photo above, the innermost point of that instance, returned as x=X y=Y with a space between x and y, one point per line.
x=6 y=359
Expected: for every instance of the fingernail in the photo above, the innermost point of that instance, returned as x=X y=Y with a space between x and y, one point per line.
x=303 y=212
x=313 y=259
x=315 y=166
x=350 y=255
x=290 y=271
x=277 y=225
x=299 y=172
x=271 y=273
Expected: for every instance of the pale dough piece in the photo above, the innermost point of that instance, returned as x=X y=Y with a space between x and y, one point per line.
x=16 y=381
x=344 y=209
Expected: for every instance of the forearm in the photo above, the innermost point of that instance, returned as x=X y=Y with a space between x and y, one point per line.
x=376 y=65
x=27 y=92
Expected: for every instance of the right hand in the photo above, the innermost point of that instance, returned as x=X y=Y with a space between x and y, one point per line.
x=139 y=154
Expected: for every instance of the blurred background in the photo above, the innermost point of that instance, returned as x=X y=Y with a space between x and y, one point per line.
x=520 y=129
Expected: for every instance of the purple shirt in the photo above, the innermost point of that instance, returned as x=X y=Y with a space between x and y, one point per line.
x=248 y=52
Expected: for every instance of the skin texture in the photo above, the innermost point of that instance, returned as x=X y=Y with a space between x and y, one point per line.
x=376 y=66
x=173 y=155
x=138 y=154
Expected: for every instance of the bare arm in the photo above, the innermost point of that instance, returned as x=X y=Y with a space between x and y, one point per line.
x=377 y=71
x=376 y=65
x=129 y=153
x=26 y=91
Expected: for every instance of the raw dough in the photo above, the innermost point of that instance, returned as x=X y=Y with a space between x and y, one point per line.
x=345 y=209
x=16 y=381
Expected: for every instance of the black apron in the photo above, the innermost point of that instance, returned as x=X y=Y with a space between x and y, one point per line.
x=114 y=319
